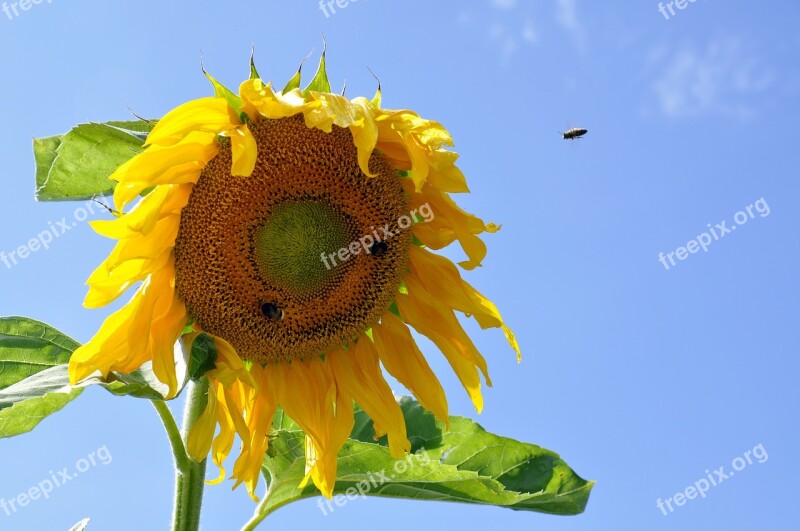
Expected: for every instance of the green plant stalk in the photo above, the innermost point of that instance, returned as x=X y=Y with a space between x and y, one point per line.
x=189 y=474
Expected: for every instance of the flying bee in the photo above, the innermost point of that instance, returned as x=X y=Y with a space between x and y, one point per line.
x=574 y=133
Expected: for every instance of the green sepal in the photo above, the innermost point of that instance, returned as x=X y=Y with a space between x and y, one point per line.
x=203 y=356
x=395 y=310
x=416 y=241
x=320 y=82
x=293 y=83
x=253 y=71
x=221 y=91
x=378 y=97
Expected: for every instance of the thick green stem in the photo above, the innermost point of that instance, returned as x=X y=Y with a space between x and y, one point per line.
x=190 y=475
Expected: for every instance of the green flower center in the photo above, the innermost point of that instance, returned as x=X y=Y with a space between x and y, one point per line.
x=289 y=246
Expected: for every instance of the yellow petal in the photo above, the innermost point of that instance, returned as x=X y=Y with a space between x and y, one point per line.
x=244 y=151
x=223 y=442
x=355 y=115
x=441 y=326
x=307 y=391
x=175 y=164
x=108 y=346
x=443 y=281
x=202 y=432
x=358 y=374
x=210 y=115
x=164 y=200
x=419 y=137
x=230 y=367
x=165 y=331
x=106 y=285
x=131 y=260
x=433 y=237
x=401 y=356
x=464 y=225
x=262 y=405
x=444 y=174
x=259 y=99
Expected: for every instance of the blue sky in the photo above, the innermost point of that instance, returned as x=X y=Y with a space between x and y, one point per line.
x=641 y=376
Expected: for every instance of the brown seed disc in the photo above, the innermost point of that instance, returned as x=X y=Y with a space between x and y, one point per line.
x=248 y=252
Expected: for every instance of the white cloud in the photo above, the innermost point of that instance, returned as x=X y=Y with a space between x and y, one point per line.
x=718 y=80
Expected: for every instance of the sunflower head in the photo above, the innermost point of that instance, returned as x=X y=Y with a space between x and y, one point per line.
x=258 y=261
x=295 y=230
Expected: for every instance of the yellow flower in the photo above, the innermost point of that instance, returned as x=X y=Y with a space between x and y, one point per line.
x=296 y=229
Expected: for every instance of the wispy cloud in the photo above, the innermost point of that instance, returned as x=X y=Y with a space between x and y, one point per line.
x=529 y=33
x=567 y=17
x=507 y=39
x=720 y=79
x=511 y=24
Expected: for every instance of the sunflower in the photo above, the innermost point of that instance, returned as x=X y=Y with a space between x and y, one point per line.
x=294 y=229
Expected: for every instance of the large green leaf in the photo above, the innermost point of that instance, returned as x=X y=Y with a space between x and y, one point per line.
x=32 y=355
x=34 y=381
x=464 y=464
x=28 y=347
x=77 y=165
x=25 y=404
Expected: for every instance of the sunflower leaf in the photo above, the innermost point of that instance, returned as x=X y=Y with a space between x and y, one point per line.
x=465 y=464
x=34 y=376
x=76 y=165
x=28 y=347
x=32 y=382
